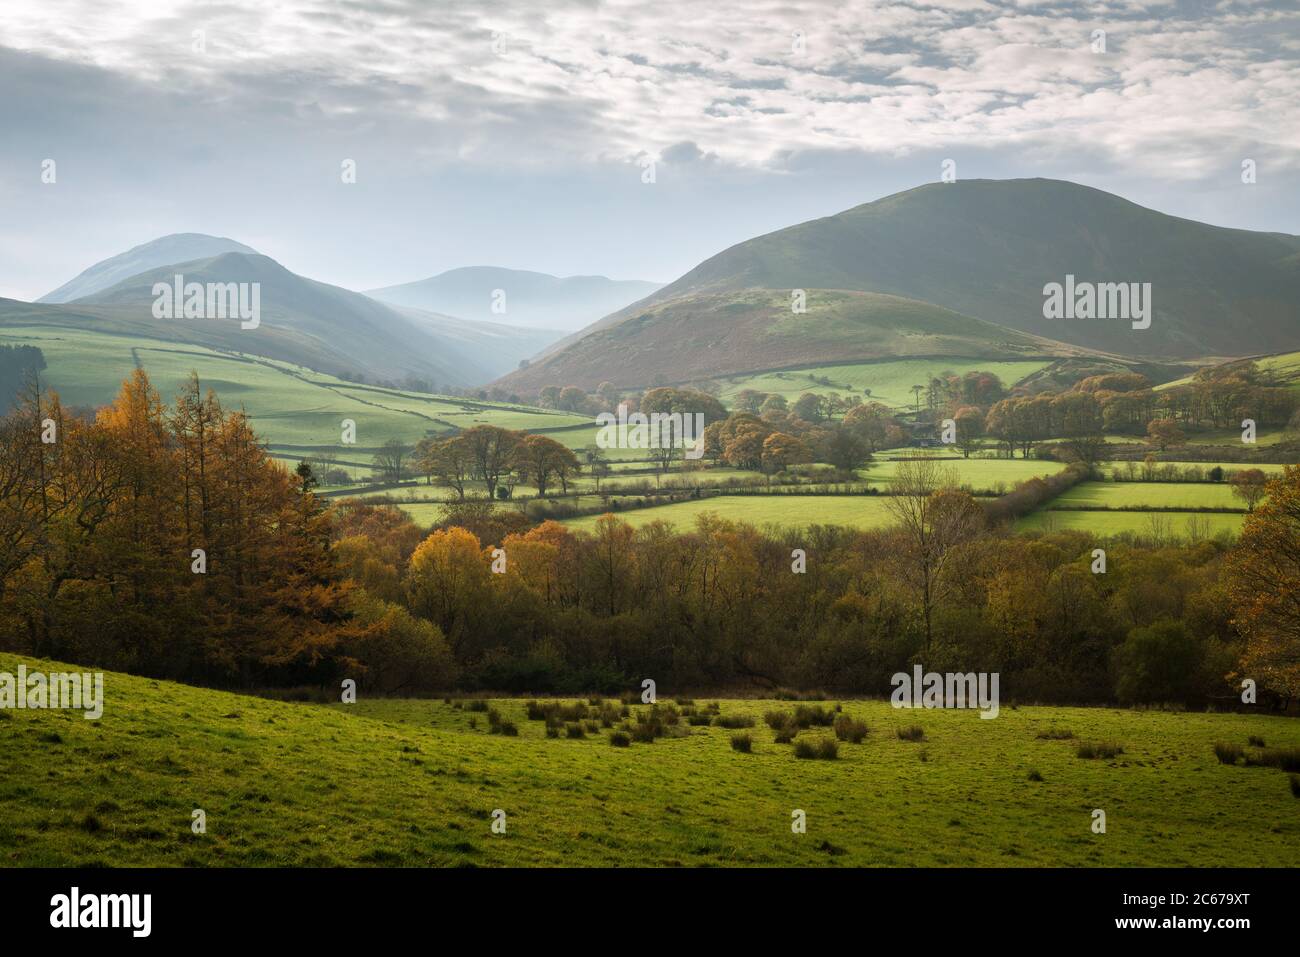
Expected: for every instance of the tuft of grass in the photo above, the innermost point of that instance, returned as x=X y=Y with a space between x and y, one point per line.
x=1034 y=775
x=574 y=730
x=808 y=716
x=734 y=721
x=785 y=735
x=619 y=739
x=1055 y=734
x=846 y=729
x=1288 y=759
x=1255 y=741
x=1228 y=753
x=1295 y=785
x=742 y=742
x=776 y=720
x=1099 y=749
x=823 y=749
x=911 y=732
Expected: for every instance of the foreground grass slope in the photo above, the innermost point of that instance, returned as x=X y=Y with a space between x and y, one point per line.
x=395 y=782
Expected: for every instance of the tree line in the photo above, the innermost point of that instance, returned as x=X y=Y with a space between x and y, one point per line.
x=162 y=539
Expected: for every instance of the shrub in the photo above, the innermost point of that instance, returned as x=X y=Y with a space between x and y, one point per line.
x=1228 y=753
x=846 y=729
x=1099 y=749
x=742 y=742
x=619 y=739
x=912 y=732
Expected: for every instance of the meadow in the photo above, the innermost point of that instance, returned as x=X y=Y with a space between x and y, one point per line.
x=889 y=382
x=291 y=407
x=414 y=783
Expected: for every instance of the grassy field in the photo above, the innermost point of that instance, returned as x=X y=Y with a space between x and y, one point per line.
x=792 y=511
x=980 y=474
x=890 y=382
x=407 y=782
x=1149 y=494
x=1103 y=524
x=290 y=406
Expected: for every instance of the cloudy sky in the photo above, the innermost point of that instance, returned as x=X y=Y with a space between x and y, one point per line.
x=518 y=134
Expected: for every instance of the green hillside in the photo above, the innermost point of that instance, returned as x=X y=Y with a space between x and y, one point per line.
x=890 y=382
x=302 y=322
x=415 y=782
x=695 y=337
x=290 y=406
x=981 y=248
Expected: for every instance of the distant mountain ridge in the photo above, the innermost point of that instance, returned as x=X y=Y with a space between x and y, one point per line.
x=981 y=248
x=526 y=298
x=302 y=321
x=175 y=248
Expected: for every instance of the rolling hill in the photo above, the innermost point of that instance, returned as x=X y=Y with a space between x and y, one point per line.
x=531 y=299
x=304 y=322
x=176 y=248
x=719 y=334
x=980 y=248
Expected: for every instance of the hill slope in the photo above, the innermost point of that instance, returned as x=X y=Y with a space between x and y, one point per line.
x=986 y=248
x=531 y=298
x=176 y=248
x=414 y=783
x=725 y=333
x=305 y=322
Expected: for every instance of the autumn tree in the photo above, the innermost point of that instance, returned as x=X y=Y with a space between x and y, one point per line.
x=1264 y=584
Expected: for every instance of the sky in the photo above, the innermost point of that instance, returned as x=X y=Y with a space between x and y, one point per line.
x=626 y=139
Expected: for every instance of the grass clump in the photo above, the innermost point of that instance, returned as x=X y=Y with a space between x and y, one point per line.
x=911 y=732
x=823 y=749
x=1105 y=750
x=742 y=742
x=846 y=729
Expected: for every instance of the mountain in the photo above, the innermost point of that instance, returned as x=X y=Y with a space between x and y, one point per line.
x=981 y=248
x=302 y=321
x=531 y=298
x=176 y=248
x=698 y=337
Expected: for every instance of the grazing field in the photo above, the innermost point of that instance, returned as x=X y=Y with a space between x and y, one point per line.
x=415 y=783
x=979 y=474
x=1165 y=525
x=791 y=511
x=1186 y=495
x=890 y=382
x=291 y=408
